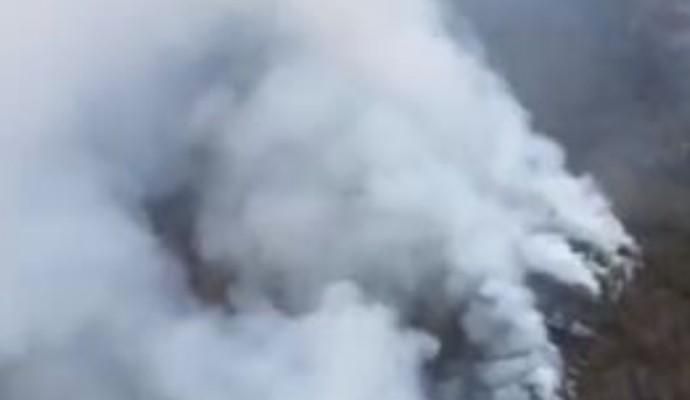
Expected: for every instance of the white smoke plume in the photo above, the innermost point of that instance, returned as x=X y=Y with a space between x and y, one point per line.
x=370 y=189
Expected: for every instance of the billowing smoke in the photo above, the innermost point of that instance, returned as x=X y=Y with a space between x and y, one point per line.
x=370 y=199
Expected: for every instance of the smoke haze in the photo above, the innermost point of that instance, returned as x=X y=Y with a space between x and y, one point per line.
x=368 y=186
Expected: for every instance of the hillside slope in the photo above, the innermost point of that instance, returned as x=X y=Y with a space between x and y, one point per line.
x=606 y=80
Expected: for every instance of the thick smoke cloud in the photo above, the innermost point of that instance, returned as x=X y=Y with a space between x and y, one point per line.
x=371 y=188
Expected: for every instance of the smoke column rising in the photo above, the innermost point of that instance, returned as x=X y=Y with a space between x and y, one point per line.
x=358 y=171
